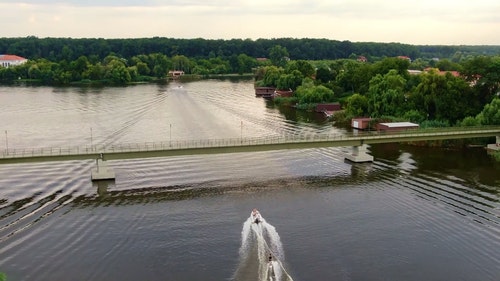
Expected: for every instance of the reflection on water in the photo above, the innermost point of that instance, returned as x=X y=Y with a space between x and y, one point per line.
x=413 y=214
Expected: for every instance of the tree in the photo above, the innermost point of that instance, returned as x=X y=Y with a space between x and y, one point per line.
x=8 y=74
x=386 y=95
x=311 y=94
x=355 y=76
x=289 y=81
x=456 y=101
x=491 y=113
x=117 y=72
x=303 y=66
x=483 y=73
x=66 y=53
x=387 y=64
x=181 y=63
x=133 y=72
x=447 y=65
x=95 y=72
x=324 y=75
x=279 y=56
x=78 y=67
x=142 y=68
x=414 y=116
x=432 y=85
x=245 y=63
x=161 y=64
x=43 y=70
x=445 y=97
x=357 y=105
x=271 y=76
x=62 y=77
x=470 y=121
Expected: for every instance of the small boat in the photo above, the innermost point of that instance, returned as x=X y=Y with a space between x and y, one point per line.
x=256 y=217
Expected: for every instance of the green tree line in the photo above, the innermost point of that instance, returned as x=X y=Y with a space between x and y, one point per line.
x=117 y=70
x=70 y=49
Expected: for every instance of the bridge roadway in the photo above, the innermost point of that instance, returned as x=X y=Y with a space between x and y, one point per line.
x=216 y=146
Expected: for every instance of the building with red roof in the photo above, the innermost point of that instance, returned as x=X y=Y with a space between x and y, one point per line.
x=362 y=59
x=404 y=58
x=11 y=60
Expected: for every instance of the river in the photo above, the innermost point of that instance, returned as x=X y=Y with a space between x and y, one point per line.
x=412 y=214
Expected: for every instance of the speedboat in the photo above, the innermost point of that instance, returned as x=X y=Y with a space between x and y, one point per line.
x=256 y=217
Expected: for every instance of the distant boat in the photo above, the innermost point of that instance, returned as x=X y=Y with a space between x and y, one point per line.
x=256 y=217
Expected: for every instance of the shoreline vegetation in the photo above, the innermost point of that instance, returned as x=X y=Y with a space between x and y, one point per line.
x=433 y=86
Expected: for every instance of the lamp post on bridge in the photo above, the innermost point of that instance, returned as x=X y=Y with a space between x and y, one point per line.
x=170 y=132
x=91 y=140
x=6 y=143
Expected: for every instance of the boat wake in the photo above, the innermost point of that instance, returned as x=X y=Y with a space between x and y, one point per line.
x=261 y=252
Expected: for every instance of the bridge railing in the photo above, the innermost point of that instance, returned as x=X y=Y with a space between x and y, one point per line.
x=213 y=143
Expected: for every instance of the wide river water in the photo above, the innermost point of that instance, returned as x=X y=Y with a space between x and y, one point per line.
x=412 y=214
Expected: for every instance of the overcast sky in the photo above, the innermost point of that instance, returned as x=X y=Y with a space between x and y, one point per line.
x=429 y=22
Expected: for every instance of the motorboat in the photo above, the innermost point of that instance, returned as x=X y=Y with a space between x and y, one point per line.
x=256 y=217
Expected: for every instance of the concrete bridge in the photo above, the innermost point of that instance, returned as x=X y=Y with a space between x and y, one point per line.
x=357 y=141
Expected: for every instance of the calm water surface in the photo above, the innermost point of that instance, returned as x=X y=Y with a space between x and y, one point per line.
x=413 y=214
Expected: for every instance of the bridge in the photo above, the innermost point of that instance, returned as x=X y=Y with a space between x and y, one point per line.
x=357 y=141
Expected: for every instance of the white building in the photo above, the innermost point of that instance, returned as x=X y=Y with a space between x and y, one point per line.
x=11 y=60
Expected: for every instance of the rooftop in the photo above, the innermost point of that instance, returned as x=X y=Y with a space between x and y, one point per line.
x=11 y=58
x=399 y=124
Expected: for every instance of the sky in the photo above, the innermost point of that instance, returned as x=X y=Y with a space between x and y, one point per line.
x=418 y=22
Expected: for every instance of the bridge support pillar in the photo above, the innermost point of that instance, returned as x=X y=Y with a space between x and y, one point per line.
x=359 y=154
x=102 y=171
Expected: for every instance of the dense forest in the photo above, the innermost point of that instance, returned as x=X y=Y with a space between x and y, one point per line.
x=69 y=49
x=62 y=61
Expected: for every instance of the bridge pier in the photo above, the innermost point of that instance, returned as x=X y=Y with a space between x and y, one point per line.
x=359 y=154
x=102 y=171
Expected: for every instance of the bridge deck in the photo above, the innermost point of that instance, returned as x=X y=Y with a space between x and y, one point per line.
x=213 y=146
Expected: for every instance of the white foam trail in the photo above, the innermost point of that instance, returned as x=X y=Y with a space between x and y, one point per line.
x=245 y=235
x=258 y=240
x=274 y=241
x=277 y=270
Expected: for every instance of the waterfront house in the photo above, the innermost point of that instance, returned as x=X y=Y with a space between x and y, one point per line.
x=11 y=60
x=361 y=123
x=175 y=73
